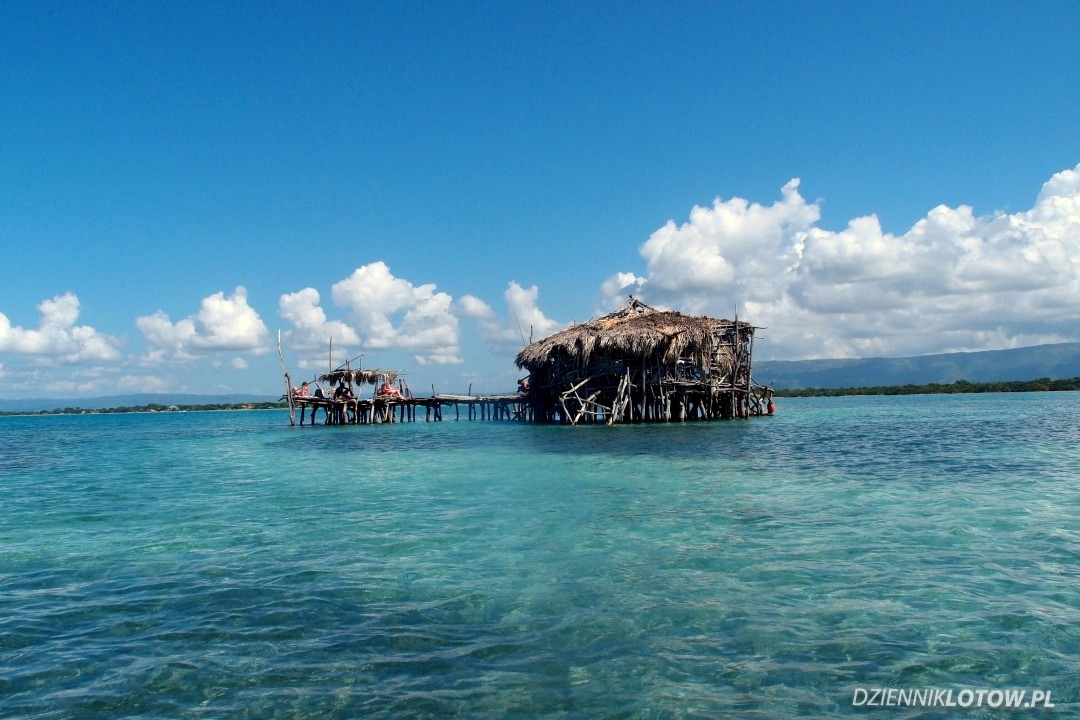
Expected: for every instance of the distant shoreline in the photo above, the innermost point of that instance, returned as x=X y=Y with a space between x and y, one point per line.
x=958 y=387
x=151 y=408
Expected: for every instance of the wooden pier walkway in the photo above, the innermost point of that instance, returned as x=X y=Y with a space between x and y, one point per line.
x=366 y=411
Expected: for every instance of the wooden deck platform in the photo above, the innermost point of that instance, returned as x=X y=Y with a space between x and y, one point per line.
x=365 y=411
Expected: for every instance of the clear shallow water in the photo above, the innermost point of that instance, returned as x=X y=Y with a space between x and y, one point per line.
x=227 y=565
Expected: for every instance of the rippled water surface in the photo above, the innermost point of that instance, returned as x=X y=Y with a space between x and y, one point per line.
x=212 y=565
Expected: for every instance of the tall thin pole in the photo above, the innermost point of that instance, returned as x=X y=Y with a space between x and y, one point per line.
x=288 y=381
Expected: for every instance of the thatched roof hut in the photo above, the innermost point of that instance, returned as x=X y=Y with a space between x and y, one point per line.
x=636 y=330
x=633 y=363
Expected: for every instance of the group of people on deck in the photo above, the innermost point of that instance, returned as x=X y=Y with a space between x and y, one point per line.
x=342 y=411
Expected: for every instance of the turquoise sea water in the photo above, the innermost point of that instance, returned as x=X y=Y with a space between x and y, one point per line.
x=226 y=565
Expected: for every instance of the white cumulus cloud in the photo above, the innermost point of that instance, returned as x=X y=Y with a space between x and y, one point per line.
x=389 y=313
x=311 y=330
x=522 y=304
x=523 y=319
x=57 y=338
x=223 y=324
x=953 y=281
x=473 y=307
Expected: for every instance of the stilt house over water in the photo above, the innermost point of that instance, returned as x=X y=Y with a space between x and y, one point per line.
x=640 y=364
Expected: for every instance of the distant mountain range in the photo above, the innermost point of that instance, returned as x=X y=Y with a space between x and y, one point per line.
x=135 y=400
x=1056 y=362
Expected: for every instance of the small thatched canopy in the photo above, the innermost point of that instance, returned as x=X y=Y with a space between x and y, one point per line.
x=635 y=330
x=372 y=377
x=375 y=377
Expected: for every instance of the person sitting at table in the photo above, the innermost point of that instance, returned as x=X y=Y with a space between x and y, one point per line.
x=343 y=394
x=304 y=391
x=389 y=391
x=320 y=395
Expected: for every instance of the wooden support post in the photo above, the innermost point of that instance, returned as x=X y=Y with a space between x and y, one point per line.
x=289 y=395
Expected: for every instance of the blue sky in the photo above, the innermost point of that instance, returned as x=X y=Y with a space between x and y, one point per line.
x=428 y=182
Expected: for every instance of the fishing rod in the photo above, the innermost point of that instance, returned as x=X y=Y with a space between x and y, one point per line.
x=520 y=332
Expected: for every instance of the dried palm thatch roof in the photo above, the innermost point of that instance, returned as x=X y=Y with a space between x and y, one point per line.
x=372 y=377
x=636 y=330
x=375 y=377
